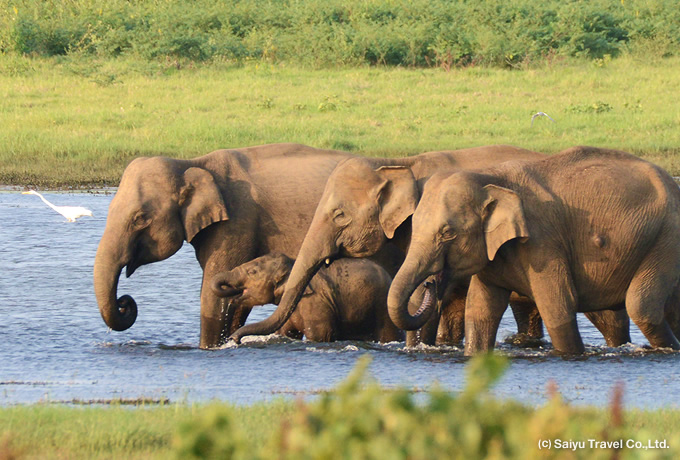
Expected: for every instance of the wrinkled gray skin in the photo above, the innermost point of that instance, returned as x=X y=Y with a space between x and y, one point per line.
x=366 y=203
x=346 y=301
x=585 y=230
x=231 y=205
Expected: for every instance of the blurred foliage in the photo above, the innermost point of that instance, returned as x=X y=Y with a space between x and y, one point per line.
x=361 y=420
x=328 y=33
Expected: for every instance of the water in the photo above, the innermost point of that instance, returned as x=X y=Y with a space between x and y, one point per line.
x=55 y=346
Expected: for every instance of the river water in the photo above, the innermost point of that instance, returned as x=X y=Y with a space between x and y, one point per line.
x=55 y=347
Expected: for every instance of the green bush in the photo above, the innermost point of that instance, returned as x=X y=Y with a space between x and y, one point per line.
x=323 y=33
x=365 y=421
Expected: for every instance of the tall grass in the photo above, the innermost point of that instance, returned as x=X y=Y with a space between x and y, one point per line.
x=68 y=120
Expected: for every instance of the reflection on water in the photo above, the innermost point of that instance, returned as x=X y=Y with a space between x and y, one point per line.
x=56 y=346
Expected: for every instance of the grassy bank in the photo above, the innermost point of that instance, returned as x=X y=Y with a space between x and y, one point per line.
x=72 y=120
x=48 y=432
x=40 y=431
x=358 y=419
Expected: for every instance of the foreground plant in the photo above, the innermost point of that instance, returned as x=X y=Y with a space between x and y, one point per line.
x=361 y=420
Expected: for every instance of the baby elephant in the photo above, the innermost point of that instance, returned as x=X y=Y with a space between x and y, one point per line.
x=345 y=301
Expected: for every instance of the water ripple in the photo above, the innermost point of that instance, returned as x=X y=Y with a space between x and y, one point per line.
x=57 y=348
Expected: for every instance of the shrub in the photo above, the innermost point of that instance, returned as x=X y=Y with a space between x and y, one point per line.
x=364 y=421
x=323 y=33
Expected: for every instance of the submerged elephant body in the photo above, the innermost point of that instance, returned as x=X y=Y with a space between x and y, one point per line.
x=585 y=230
x=346 y=301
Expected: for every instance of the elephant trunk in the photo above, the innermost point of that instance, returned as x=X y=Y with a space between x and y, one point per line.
x=118 y=313
x=304 y=269
x=409 y=277
x=222 y=286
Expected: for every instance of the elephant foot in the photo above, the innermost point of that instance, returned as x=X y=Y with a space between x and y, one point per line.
x=480 y=337
x=566 y=339
x=525 y=340
x=526 y=316
x=659 y=335
x=212 y=332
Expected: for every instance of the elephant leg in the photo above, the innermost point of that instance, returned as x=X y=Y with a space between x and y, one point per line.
x=555 y=296
x=647 y=297
x=213 y=326
x=219 y=249
x=451 y=330
x=320 y=331
x=236 y=319
x=672 y=311
x=385 y=330
x=613 y=324
x=318 y=320
x=526 y=315
x=484 y=309
x=390 y=333
x=289 y=330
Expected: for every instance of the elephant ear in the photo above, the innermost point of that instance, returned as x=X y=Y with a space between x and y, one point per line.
x=200 y=201
x=503 y=218
x=280 y=276
x=397 y=197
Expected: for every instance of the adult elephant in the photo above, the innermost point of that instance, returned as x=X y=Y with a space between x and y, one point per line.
x=585 y=230
x=368 y=202
x=231 y=205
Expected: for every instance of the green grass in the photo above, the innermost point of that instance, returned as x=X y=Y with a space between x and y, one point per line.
x=76 y=121
x=61 y=432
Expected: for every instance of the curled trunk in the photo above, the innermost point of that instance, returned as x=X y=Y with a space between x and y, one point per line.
x=118 y=313
x=221 y=287
x=404 y=284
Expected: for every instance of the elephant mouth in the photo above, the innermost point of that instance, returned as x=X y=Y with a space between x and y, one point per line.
x=130 y=268
x=436 y=284
x=434 y=291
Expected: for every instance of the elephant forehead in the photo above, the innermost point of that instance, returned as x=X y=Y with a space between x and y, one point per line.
x=348 y=195
x=354 y=174
x=146 y=174
x=458 y=188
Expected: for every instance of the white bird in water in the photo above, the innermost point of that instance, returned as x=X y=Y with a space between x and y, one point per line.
x=540 y=114
x=70 y=212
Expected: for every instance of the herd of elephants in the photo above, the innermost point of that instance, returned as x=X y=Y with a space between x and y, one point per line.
x=437 y=244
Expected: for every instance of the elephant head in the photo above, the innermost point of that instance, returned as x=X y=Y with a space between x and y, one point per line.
x=160 y=203
x=258 y=282
x=460 y=224
x=360 y=208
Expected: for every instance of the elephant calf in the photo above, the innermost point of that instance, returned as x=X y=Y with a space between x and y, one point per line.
x=346 y=301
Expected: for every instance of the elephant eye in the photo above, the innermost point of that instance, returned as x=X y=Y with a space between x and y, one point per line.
x=447 y=233
x=141 y=220
x=340 y=218
x=252 y=271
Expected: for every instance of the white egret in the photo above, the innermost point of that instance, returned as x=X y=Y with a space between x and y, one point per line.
x=540 y=114
x=70 y=212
